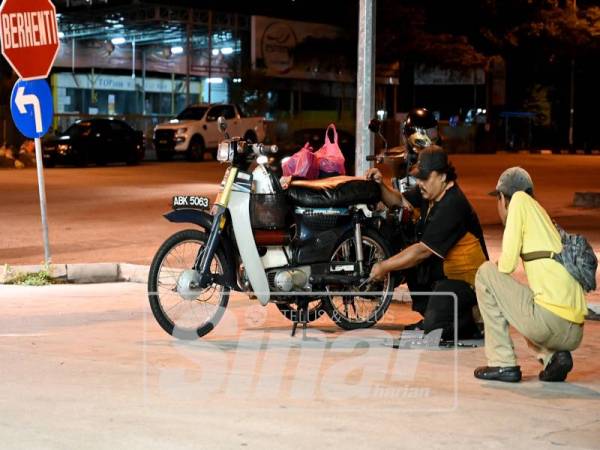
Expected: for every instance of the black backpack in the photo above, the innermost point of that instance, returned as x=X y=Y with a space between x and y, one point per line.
x=577 y=256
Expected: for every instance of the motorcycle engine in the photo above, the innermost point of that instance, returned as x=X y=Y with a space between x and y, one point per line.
x=288 y=280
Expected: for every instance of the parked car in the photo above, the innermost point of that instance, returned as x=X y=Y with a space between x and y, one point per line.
x=99 y=141
x=316 y=138
x=195 y=130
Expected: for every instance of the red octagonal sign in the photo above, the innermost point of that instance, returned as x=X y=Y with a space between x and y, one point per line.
x=29 y=33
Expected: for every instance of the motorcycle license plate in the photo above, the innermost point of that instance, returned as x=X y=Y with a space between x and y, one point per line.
x=190 y=201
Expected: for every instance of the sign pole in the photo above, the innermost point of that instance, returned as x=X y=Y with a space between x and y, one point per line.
x=42 y=189
x=31 y=50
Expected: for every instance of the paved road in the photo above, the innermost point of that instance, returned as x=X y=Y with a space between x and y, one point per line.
x=87 y=367
x=114 y=214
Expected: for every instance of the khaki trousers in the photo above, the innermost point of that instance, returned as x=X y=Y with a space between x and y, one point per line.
x=502 y=302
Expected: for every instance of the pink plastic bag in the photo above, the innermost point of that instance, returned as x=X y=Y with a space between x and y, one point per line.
x=302 y=164
x=329 y=157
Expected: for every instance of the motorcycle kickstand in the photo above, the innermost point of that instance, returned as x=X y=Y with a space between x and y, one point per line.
x=302 y=317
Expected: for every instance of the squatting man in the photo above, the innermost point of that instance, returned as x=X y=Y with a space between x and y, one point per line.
x=449 y=246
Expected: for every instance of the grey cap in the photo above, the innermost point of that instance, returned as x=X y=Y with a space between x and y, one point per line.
x=513 y=179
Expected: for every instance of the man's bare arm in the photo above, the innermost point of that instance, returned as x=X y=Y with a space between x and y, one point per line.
x=391 y=197
x=407 y=258
x=388 y=196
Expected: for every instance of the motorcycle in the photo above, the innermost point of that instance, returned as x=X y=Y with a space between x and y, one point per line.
x=308 y=249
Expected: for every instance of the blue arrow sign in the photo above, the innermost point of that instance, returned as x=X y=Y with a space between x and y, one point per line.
x=32 y=107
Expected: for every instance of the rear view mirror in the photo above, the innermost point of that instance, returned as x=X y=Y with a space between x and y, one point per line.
x=375 y=126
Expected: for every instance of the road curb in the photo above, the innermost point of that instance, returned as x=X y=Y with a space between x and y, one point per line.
x=82 y=273
x=547 y=151
x=587 y=199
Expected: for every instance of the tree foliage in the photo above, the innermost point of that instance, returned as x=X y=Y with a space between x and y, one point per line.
x=549 y=27
x=404 y=35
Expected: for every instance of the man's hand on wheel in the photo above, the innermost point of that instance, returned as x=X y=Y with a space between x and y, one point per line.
x=378 y=273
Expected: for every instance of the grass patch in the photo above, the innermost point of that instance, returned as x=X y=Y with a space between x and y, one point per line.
x=40 y=278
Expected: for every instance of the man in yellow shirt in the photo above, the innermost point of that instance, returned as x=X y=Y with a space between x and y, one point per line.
x=550 y=311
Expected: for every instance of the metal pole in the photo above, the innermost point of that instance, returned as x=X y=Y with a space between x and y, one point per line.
x=93 y=94
x=474 y=91
x=572 y=99
x=144 y=81
x=133 y=59
x=173 y=93
x=237 y=47
x=210 y=18
x=42 y=190
x=189 y=57
x=365 y=106
x=73 y=55
x=572 y=106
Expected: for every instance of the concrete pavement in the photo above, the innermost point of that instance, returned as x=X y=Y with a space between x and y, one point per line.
x=86 y=366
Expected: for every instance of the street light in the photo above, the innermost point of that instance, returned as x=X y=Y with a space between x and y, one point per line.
x=118 y=40
x=176 y=50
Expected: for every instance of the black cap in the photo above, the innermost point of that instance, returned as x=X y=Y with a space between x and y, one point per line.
x=430 y=159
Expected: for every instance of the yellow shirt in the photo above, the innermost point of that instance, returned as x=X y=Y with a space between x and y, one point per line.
x=463 y=260
x=530 y=229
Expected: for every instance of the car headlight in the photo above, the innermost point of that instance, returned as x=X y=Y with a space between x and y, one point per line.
x=181 y=131
x=63 y=148
x=224 y=152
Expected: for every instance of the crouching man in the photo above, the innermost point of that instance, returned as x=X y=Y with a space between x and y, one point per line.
x=550 y=311
x=449 y=248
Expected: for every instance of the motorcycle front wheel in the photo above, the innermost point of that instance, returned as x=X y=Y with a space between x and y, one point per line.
x=353 y=311
x=180 y=308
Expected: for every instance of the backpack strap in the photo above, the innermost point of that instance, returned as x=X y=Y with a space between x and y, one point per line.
x=532 y=256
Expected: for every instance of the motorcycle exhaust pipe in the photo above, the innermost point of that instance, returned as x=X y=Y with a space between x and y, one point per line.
x=335 y=279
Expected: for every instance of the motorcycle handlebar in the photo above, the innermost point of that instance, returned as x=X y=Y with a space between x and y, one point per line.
x=262 y=149
x=378 y=159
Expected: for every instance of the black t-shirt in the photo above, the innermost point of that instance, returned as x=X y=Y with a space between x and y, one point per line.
x=442 y=227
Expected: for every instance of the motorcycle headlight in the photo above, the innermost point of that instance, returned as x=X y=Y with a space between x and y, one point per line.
x=224 y=152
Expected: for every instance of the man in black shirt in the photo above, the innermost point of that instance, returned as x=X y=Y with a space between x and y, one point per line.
x=449 y=245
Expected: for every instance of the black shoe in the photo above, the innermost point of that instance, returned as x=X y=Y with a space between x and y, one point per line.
x=559 y=366
x=415 y=326
x=510 y=374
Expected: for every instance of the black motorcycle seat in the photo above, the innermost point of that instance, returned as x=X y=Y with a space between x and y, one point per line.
x=334 y=192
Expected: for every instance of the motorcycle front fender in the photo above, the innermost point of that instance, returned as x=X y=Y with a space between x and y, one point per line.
x=189 y=215
x=204 y=220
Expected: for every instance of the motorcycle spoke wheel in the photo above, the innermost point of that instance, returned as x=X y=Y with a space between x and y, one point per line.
x=181 y=309
x=360 y=311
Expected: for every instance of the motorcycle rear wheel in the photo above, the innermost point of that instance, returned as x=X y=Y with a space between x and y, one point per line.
x=351 y=312
x=181 y=311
